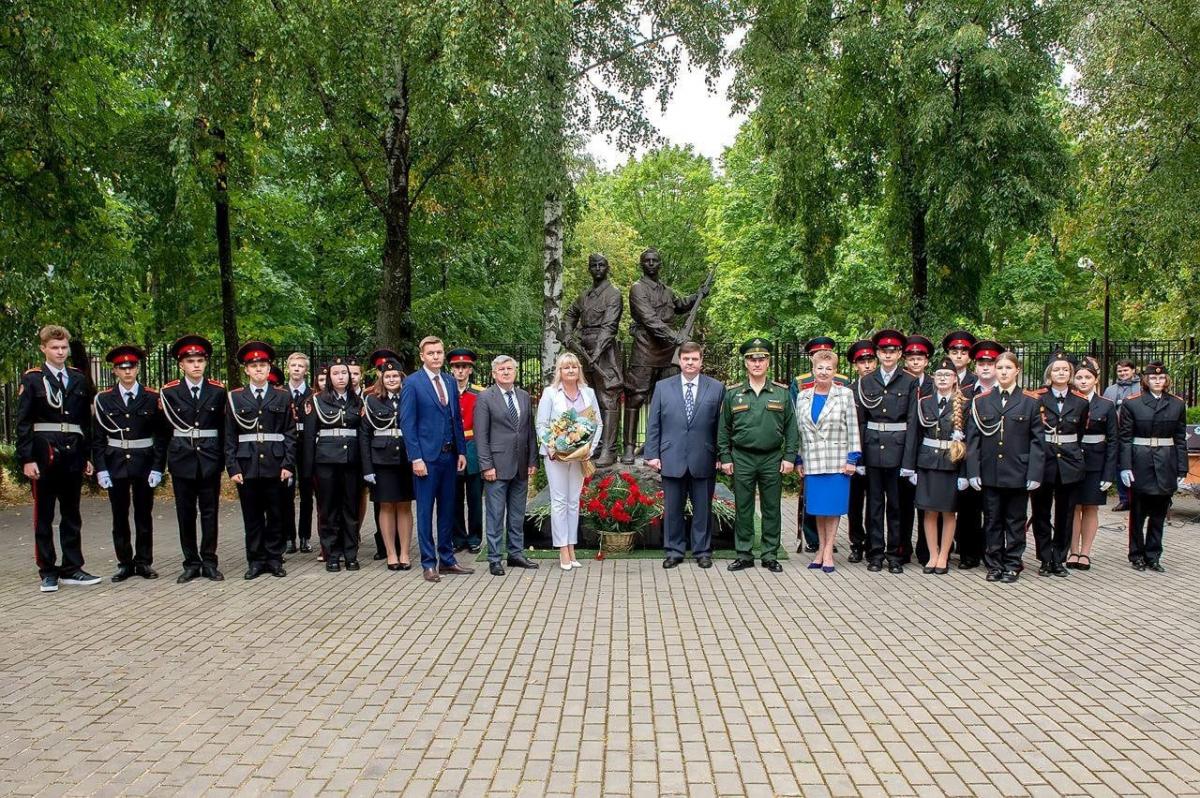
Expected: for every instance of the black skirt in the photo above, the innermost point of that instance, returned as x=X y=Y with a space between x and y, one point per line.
x=393 y=483
x=1090 y=494
x=937 y=491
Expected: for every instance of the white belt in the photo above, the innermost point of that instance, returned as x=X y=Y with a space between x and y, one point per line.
x=935 y=444
x=299 y=426
x=340 y=432
x=192 y=434
x=261 y=437
x=1092 y=439
x=390 y=432
x=1153 y=442
x=887 y=426
x=1059 y=440
x=132 y=443
x=44 y=426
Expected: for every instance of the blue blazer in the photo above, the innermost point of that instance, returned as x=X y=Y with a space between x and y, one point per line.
x=684 y=447
x=423 y=419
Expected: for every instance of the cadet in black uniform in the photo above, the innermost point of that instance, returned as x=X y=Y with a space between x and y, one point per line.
x=260 y=455
x=194 y=407
x=884 y=398
x=129 y=452
x=862 y=355
x=298 y=527
x=917 y=351
x=1005 y=460
x=385 y=463
x=936 y=450
x=54 y=416
x=377 y=359
x=331 y=451
x=1154 y=461
x=1064 y=418
x=806 y=523
x=1099 y=442
x=958 y=345
x=969 y=526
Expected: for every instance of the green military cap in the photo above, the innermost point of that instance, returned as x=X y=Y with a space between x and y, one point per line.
x=756 y=347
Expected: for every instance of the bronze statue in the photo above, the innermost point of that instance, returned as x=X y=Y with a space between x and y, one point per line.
x=591 y=332
x=652 y=306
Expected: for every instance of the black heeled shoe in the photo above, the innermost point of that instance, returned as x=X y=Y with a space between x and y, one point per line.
x=404 y=566
x=928 y=569
x=940 y=571
x=393 y=566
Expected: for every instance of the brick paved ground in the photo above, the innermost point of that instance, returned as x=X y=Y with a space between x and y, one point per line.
x=620 y=678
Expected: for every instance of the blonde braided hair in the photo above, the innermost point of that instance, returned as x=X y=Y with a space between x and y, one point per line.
x=958 y=449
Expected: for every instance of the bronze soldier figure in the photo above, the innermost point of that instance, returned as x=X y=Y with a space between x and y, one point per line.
x=591 y=332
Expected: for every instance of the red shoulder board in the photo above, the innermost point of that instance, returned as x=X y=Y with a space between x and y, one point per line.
x=1080 y=395
x=110 y=390
x=237 y=390
x=170 y=384
x=34 y=370
x=1035 y=394
x=1133 y=396
x=150 y=391
x=1177 y=396
x=217 y=383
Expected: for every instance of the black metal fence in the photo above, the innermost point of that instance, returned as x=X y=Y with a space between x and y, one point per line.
x=721 y=360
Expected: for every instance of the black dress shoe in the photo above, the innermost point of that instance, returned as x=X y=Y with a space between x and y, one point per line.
x=994 y=574
x=253 y=572
x=1155 y=566
x=145 y=572
x=379 y=555
x=495 y=569
x=278 y=571
x=521 y=562
x=1045 y=570
x=306 y=547
x=1008 y=577
x=672 y=562
x=740 y=565
x=188 y=575
x=856 y=555
x=474 y=549
x=123 y=573
x=875 y=567
x=332 y=566
x=1138 y=564
x=1058 y=570
x=1121 y=507
x=352 y=565
x=212 y=574
x=773 y=566
x=967 y=563
x=810 y=548
x=704 y=562
x=291 y=547
x=895 y=568
x=460 y=547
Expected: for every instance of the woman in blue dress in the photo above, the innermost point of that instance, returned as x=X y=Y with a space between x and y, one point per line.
x=829 y=452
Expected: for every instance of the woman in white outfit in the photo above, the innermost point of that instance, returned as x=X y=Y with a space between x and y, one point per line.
x=567 y=390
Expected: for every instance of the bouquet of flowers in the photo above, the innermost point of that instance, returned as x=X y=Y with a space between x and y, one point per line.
x=618 y=504
x=570 y=437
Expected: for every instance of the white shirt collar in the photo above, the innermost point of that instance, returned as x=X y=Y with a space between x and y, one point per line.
x=433 y=376
x=191 y=385
x=302 y=387
x=57 y=371
x=262 y=387
x=1057 y=394
x=694 y=381
x=135 y=390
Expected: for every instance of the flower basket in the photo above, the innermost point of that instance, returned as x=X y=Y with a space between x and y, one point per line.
x=617 y=542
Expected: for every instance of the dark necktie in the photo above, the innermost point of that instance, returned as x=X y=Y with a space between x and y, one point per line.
x=128 y=397
x=441 y=390
x=512 y=408
x=689 y=402
x=62 y=379
x=1060 y=398
x=196 y=393
x=1003 y=398
x=941 y=404
x=296 y=393
x=258 y=394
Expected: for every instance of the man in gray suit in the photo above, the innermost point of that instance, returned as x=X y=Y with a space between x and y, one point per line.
x=681 y=443
x=507 y=448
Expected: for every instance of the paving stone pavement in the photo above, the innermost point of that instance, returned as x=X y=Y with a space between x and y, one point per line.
x=617 y=679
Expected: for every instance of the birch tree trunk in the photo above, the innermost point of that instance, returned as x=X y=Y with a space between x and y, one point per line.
x=552 y=282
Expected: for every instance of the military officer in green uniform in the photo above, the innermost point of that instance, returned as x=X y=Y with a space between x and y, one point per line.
x=757 y=441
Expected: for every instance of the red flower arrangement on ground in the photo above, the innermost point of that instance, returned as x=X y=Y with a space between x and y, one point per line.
x=617 y=502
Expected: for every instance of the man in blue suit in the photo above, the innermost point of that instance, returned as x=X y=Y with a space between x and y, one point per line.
x=431 y=423
x=681 y=443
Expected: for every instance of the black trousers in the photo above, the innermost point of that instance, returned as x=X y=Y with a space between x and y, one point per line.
x=678 y=535
x=1052 y=538
x=968 y=533
x=204 y=495
x=854 y=518
x=58 y=486
x=262 y=515
x=302 y=524
x=1147 y=511
x=1004 y=514
x=883 y=505
x=337 y=510
x=468 y=510
x=142 y=495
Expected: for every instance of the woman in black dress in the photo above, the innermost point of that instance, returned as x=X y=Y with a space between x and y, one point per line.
x=331 y=453
x=1099 y=441
x=385 y=463
x=936 y=450
x=1154 y=461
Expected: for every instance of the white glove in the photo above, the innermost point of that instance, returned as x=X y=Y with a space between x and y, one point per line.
x=1127 y=478
x=912 y=478
x=155 y=479
x=1104 y=486
x=104 y=480
x=976 y=483
x=1179 y=483
x=907 y=472
x=861 y=471
x=962 y=483
x=370 y=478
x=957 y=435
x=1030 y=485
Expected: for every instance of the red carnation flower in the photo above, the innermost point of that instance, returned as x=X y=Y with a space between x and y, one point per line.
x=594 y=506
x=606 y=482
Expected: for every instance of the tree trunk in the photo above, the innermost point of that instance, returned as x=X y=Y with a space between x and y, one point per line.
x=225 y=261
x=393 y=321
x=552 y=282
x=920 y=266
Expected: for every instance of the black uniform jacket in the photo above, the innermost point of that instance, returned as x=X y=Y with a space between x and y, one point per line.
x=194 y=455
x=1102 y=420
x=42 y=400
x=381 y=446
x=1064 y=452
x=331 y=449
x=260 y=437
x=1004 y=446
x=890 y=405
x=1156 y=469
x=116 y=425
x=927 y=421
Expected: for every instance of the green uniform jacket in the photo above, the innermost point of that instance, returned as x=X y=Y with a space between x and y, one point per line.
x=761 y=423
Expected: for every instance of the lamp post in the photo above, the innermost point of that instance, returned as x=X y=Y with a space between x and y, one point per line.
x=1089 y=265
